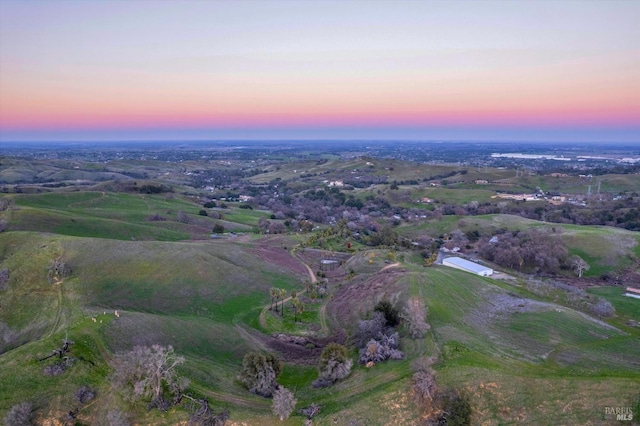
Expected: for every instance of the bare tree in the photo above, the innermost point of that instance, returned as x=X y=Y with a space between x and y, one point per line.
x=424 y=380
x=283 y=403
x=148 y=370
x=182 y=217
x=371 y=328
x=415 y=314
x=579 y=265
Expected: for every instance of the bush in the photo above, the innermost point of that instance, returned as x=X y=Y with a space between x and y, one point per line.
x=203 y=213
x=83 y=395
x=58 y=368
x=334 y=363
x=218 y=229
x=19 y=415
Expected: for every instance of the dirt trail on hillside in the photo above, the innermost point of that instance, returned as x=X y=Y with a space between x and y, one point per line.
x=58 y=319
x=393 y=265
x=312 y=276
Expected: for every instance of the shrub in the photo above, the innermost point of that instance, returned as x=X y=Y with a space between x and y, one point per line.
x=83 y=395
x=334 y=364
x=58 y=367
x=218 y=229
x=203 y=213
x=19 y=415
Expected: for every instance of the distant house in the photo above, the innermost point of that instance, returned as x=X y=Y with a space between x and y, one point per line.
x=465 y=265
x=337 y=183
x=633 y=292
x=481 y=182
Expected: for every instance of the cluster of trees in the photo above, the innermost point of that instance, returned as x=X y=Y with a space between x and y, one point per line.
x=377 y=338
x=622 y=212
x=259 y=375
x=533 y=250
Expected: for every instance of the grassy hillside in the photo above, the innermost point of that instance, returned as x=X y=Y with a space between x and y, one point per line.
x=519 y=357
x=606 y=249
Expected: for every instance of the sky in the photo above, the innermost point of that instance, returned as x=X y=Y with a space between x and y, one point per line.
x=526 y=70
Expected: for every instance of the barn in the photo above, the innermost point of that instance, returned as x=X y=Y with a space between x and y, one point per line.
x=465 y=265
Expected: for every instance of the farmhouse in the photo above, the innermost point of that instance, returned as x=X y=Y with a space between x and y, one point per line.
x=465 y=265
x=633 y=292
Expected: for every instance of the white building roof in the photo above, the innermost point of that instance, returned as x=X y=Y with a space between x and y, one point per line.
x=465 y=264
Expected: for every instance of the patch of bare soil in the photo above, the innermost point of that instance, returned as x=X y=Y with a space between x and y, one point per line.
x=279 y=256
x=355 y=298
x=501 y=306
x=294 y=349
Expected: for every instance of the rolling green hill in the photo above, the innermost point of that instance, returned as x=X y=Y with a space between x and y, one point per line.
x=519 y=357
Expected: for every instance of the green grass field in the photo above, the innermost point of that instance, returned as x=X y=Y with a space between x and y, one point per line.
x=520 y=358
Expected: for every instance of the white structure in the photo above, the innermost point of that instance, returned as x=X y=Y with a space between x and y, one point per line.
x=633 y=292
x=465 y=265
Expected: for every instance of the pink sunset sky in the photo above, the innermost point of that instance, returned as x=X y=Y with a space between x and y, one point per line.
x=506 y=70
